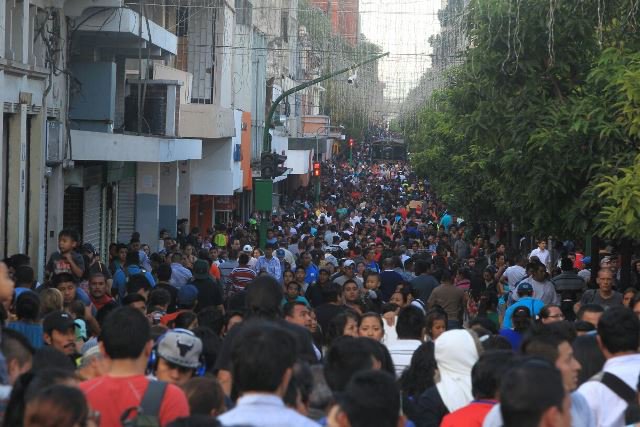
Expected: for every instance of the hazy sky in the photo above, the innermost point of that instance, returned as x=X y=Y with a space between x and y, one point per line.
x=402 y=27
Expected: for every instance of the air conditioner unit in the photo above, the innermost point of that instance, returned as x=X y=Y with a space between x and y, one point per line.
x=54 y=152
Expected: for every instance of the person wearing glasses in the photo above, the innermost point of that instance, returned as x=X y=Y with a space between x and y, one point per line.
x=551 y=313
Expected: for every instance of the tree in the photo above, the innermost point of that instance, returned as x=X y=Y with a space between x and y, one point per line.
x=540 y=112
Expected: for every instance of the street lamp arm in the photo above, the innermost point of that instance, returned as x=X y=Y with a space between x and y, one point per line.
x=266 y=143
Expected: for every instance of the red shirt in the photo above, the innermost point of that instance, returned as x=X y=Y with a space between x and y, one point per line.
x=111 y=396
x=471 y=415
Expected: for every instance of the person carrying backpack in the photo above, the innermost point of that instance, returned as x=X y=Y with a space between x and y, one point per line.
x=125 y=396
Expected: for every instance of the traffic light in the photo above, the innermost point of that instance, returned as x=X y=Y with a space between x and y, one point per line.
x=351 y=142
x=267 y=165
x=316 y=169
x=278 y=160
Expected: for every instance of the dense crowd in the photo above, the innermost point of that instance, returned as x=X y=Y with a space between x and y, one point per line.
x=375 y=307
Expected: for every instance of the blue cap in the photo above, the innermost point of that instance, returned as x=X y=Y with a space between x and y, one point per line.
x=525 y=287
x=187 y=295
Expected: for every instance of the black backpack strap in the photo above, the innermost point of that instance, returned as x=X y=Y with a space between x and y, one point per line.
x=619 y=387
x=152 y=399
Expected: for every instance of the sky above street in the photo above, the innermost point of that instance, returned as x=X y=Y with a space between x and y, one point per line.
x=403 y=28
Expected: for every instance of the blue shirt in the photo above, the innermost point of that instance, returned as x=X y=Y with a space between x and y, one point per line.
x=534 y=306
x=311 y=274
x=120 y=279
x=264 y=410
x=271 y=266
x=180 y=275
x=31 y=331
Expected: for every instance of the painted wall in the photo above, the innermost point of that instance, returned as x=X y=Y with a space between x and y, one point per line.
x=147 y=201
x=245 y=137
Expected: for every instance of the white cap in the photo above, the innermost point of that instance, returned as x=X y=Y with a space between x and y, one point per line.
x=247 y=248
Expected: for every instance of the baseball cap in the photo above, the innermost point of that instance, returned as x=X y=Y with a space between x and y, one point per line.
x=88 y=247
x=57 y=320
x=525 y=287
x=349 y=263
x=187 y=295
x=180 y=347
x=280 y=253
x=247 y=248
x=200 y=269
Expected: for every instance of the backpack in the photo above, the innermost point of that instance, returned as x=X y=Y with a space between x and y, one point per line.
x=147 y=414
x=624 y=392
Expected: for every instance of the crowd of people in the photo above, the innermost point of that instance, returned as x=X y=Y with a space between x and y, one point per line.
x=375 y=307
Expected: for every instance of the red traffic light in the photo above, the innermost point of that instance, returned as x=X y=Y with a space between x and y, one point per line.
x=351 y=142
x=316 y=168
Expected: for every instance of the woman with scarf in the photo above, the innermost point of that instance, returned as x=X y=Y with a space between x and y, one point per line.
x=456 y=351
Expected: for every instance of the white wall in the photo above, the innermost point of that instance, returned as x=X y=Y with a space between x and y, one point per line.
x=225 y=58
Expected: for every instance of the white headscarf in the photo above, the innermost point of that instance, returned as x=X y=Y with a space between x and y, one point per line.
x=455 y=353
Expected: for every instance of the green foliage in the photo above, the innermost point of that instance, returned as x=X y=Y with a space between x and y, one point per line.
x=534 y=120
x=620 y=215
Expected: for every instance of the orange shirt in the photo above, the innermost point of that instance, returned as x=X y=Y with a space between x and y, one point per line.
x=215 y=271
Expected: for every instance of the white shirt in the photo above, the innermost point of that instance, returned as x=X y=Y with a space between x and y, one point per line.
x=514 y=274
x=543 y=256
x=608 y=409
x=401 y=352
x=264 y=410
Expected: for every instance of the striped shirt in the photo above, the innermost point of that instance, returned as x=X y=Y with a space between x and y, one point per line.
x=240 y=277
x=401 y=352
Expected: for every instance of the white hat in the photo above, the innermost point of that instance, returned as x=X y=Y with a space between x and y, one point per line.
x=247 y=248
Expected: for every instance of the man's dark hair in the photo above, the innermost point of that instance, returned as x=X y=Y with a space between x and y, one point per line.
x=72 y=234
x=488 y=372
x=619 y=330
x=542 y=342
x=243 y=259
x=131 y=298
x=591 y=308
x=421 y=266
x=25 y=275
x=16 y=346
x=566 y=264
x=261 y=354
x=287 y=309
x=16 y=260
x=159 y=297
x=213 y=318
x=331 y=292
x=129 y=345
x=61 y=278
x=263 y=297
x=371 y=398
x=410 y=325
x=136 y=283
x=527 y=391
x=28 y=306
x=346 y=356
x=164 y=272
x=133 y=258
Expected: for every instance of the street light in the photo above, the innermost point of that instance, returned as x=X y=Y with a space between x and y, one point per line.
x=265 y=184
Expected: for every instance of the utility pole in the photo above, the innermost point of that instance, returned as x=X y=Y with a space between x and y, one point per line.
x=265 y=184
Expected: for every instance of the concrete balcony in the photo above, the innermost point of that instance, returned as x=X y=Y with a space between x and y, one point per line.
x=206 y=121
x=113 y=147
x=124 y=32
